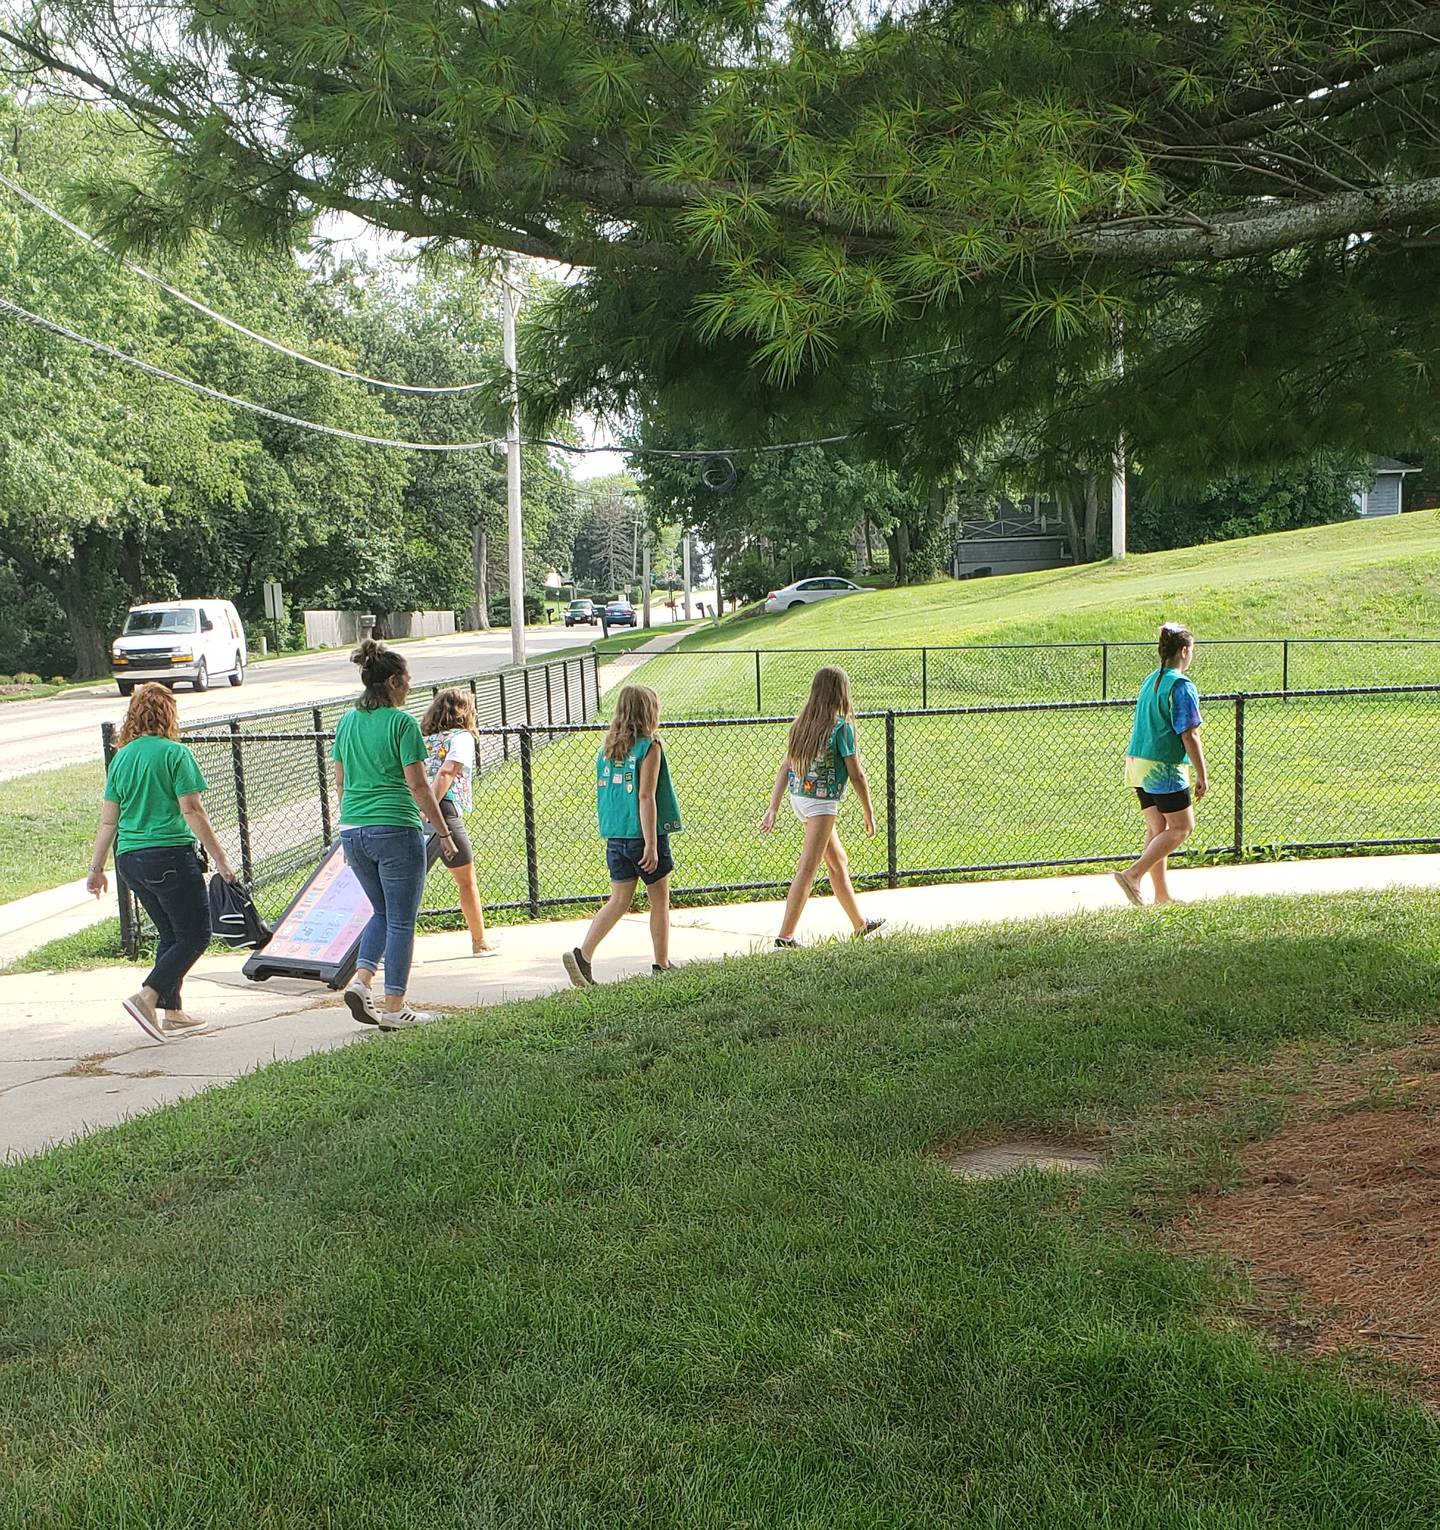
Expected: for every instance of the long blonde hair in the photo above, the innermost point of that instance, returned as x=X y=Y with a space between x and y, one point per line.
x=810 y=732
x=153 y=712
x=637 y=715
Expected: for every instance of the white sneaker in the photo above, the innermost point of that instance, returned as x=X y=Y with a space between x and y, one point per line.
x=360 y=1002
x=403 y=1019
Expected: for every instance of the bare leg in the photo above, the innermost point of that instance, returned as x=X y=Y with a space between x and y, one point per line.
x=470 y=905
x=817 y=836
x=659 y=895
x=622 y=895
x=837 y=865
x=1161 y=844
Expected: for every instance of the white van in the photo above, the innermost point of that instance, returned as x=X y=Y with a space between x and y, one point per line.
x=194 y=640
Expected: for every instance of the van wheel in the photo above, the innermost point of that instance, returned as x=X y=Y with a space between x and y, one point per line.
x=202 y=678
x=237 y=675
x=127 y=687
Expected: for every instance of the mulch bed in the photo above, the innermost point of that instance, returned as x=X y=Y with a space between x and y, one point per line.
x=1341 y=1209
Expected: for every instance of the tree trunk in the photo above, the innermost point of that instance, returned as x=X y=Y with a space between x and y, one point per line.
x=481 y=551
x=1066 y=501
x=1092 y=516
x=897 y=539
x=92 y=647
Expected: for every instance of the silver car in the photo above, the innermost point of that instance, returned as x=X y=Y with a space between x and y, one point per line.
x=805 y=591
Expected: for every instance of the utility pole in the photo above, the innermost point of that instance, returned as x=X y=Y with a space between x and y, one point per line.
x=645 y=581
x=510 y=298
x=685 y=554
x=1118 y=505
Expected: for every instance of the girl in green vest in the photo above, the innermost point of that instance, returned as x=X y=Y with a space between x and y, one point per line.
x=638 y=813
x=820 y=762
x=1164 y=749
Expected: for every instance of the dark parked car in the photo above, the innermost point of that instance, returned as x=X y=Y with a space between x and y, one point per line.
x=582 y=611
x=619 y=613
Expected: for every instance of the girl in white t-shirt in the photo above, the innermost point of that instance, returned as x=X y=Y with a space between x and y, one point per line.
x=450 y=738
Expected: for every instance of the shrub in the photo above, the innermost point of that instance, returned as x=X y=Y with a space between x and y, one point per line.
x=58 y=680
x=7 y=680
x=26 y=678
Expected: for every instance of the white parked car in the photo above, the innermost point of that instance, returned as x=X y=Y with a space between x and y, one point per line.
x=194 y=640
x=803 y=591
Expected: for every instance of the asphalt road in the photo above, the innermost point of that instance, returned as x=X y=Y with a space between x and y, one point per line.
x=65 y=729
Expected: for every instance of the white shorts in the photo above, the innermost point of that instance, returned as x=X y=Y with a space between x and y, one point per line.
x=814 y=807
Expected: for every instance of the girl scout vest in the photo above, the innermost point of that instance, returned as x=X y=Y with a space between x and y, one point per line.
x=617 y=795
x=1153 y=737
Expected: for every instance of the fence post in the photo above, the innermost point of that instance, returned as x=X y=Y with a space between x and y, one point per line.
x=504 y=719
x=759 y=705
x=242 y=807
x=320 y=775
x=595 y=666
x=1285 y=665
x=525 y=678
x=549 y=705
x=924 y=678
x=892 y=864
x=527 y=797
x=1104 y=671
x=129 y=930
x=1239 y=774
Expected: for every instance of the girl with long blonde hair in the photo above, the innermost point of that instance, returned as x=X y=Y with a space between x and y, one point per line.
x=820 y=761
x=637 y=812
x=153 y=815
x=451 y=739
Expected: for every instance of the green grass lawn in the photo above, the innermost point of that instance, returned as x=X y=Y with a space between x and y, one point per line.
x=675 y=1255
x=1358 y=579
x=47 y=828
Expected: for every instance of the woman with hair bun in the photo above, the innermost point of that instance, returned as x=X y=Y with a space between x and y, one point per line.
x=1164 y=748
x=379 y=754
x=153 y=815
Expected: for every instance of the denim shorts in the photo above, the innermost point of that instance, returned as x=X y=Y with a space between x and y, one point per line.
x=623 y=858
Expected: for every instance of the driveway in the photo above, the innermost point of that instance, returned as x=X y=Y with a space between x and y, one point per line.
x=65 y=729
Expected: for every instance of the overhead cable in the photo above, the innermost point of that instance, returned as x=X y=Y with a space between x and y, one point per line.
x=99 y=346
x=687 y=454
x=220 y=318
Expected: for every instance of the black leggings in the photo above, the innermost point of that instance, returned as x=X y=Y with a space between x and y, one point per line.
x=171 y=888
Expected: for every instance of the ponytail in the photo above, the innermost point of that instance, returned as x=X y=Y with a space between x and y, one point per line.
x=1174 y=640
x=379 y=665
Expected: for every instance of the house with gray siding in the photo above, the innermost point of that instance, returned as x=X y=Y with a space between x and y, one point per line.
x=1384 y=496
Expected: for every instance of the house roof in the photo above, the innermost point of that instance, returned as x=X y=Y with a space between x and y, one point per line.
x=1390 y=465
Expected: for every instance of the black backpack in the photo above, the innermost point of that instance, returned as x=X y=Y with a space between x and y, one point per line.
x=234 y=919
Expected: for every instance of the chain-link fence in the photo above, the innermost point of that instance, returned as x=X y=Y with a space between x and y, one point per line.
x=719 y=682
x=271 y=791
x=956 y=791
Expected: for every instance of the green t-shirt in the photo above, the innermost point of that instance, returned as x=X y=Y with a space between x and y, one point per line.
x=147 y=778
x=374 y=748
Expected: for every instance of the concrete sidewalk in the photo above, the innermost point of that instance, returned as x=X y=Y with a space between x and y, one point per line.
x=71 y=1061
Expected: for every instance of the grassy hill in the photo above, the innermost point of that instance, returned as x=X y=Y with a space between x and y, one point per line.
x=1361 y=578
x=678 y=1255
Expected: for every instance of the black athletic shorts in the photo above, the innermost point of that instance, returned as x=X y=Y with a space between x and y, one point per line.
x=1167 y=802
x=455 y=822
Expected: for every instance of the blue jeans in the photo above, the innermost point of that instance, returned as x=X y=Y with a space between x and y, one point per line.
x=389 y=863
x=171 y=888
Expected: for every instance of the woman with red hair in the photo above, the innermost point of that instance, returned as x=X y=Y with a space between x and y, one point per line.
x=153 y=815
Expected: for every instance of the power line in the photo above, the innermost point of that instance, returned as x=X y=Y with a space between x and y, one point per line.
x=689 y=454
x=220 y=318
x=100 y=347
